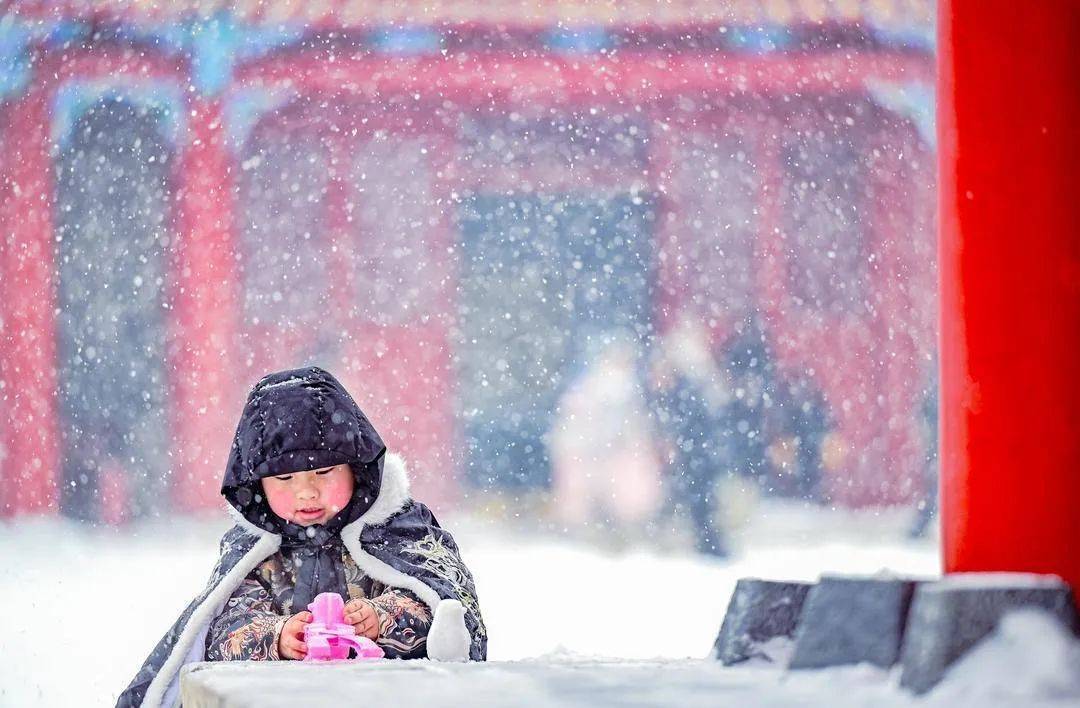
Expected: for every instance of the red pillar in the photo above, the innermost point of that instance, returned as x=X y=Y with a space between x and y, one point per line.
x=202 y=355
x=30 y=436
x=7 y=195
x=1009 y=111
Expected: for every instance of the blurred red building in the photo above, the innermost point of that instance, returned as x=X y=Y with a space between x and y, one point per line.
x=322 y=181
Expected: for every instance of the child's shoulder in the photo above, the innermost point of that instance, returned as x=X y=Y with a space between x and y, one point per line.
x=408 y=515
x=413 y=524
x=239 y=537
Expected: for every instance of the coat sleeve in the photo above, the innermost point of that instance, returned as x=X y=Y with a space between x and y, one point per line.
x=404 y=621
x=247 y=629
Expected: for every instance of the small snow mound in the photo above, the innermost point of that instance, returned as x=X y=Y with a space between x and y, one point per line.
x=1029 y=657
x=776 y=651
x=448 y=639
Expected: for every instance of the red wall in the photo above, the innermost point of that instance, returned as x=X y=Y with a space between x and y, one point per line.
x=210 y=382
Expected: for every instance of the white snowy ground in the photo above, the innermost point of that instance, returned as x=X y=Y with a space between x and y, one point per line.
x=82 y=607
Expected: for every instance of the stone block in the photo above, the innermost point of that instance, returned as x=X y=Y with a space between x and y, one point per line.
x=759 y=611
x=951 y=616
x=851 y=620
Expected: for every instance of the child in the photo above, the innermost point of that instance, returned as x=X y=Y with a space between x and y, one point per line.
x=319 y=507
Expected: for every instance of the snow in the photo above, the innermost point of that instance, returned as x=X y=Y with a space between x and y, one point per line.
x=1029 y=659
x=546 y=681
x=570 y=622
x=97 y=599
x=960 y=581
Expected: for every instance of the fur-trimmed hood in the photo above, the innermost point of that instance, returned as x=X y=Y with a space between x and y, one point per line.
x=297 y=420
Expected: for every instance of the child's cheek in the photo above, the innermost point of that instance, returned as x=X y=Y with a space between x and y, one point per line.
x=338 y=494
x=281 y=501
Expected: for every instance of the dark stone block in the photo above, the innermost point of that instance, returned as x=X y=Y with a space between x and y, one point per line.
x=759 y=610
x=852 y=620
x=949 y=617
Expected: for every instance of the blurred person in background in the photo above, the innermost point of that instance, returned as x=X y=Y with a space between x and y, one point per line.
x=692 y=402
x=604 y=460
x=748 y=372
x=796 y=421
x=777 y=424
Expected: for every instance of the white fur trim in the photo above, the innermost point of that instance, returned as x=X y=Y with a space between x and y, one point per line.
x=447 y=625
x=187 y=649
x=243 y=522
x=384 y=573
x=393 y=494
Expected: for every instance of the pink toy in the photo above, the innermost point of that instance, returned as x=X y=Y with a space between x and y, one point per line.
x=329 y=638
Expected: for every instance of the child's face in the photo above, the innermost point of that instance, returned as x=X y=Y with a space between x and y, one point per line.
x=312 y=497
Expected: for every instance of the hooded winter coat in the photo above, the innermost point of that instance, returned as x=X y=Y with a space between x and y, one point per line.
x=304 y=419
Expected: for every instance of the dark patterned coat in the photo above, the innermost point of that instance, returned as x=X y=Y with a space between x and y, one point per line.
x=394 y=540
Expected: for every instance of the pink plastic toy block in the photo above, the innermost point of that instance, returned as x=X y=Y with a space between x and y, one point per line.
x=329 y=638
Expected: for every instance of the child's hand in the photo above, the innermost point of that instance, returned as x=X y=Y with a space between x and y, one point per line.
x=362 y=616
x=291 y=643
